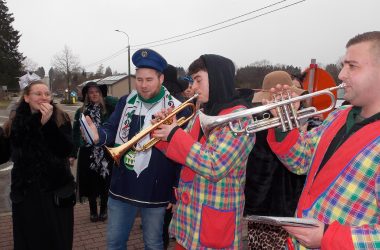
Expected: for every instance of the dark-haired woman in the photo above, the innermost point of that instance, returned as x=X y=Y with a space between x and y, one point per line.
x=94 y=166
x=42 y=186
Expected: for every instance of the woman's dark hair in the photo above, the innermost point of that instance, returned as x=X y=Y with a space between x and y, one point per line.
x=299 y=77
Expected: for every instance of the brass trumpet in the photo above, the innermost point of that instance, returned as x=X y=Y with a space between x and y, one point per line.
x=119 y=151
x=288 y=118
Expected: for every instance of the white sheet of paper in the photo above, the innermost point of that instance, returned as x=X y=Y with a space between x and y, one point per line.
x=283 y=221
x=86 y=129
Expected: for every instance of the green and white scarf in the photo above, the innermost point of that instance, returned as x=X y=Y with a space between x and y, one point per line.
x=136 y=105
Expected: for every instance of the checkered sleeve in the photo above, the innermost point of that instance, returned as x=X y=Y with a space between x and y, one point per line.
x=297 y=149
x=222 y=151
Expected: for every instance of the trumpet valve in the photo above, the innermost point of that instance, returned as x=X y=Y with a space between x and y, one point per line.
x=168 y=121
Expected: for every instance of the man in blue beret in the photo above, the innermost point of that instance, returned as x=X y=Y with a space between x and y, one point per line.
x=144 y=181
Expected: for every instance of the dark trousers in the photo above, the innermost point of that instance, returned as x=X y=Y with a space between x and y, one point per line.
x=94 y=206
x=165 y=233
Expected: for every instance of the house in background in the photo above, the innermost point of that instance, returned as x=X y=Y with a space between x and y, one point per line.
x=117 y=85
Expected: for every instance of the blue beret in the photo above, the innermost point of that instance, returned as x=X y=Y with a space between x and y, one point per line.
x=147 y=58
x=188 y=79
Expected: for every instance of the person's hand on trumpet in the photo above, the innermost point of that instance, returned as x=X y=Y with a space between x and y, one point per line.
x=276 y=97
x=163 y=131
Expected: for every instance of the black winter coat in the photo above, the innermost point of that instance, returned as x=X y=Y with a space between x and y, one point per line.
x=270 y=188
x=41 y=166
x=39 y=153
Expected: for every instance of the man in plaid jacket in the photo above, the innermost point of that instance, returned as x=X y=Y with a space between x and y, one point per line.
x=341 y=158
x=210 y=194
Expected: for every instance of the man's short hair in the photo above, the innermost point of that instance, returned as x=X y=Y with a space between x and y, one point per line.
x=158 y=73
x=372 y=36
x=197 y=66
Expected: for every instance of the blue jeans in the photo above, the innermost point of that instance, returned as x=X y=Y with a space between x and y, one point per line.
x=121 y=216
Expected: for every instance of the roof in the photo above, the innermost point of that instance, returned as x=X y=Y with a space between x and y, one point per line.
x=84 y=83
x=110 y=80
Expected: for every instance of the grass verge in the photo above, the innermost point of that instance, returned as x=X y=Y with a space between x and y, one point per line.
x=4 y=104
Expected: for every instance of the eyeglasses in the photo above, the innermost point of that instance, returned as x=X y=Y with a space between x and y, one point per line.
x=39 y=94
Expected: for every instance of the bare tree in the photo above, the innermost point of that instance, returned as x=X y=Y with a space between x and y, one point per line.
x=67 y=63
x=28 y=65
x=261 y=63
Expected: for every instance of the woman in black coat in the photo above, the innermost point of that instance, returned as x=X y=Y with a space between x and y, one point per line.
x=94 y=165
x=270 y=189
x=42 y=186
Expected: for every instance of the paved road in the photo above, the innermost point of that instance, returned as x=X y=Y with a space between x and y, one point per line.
x=5 y=169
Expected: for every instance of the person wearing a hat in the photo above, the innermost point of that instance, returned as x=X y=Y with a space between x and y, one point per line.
x=188 y=82
x=93 y=166
x=271 y=80
x=211 y=186
x=174 y=85
x=144 y=181
x=270 y=189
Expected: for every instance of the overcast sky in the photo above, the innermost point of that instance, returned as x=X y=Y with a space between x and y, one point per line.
x=293 y=35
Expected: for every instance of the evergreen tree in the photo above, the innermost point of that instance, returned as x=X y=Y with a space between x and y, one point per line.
x=108 y=71
x=334 y=70
x=40 y=72
x=51 y=78
x=100 y=71
x=10 y=58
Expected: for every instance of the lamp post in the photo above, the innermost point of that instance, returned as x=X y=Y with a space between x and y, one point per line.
x=129 y=61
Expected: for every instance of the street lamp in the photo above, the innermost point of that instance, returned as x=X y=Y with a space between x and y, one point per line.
x=129 y=61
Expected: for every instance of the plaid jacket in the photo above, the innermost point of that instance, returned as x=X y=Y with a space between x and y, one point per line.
x=345 y=194
x=211 y=187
